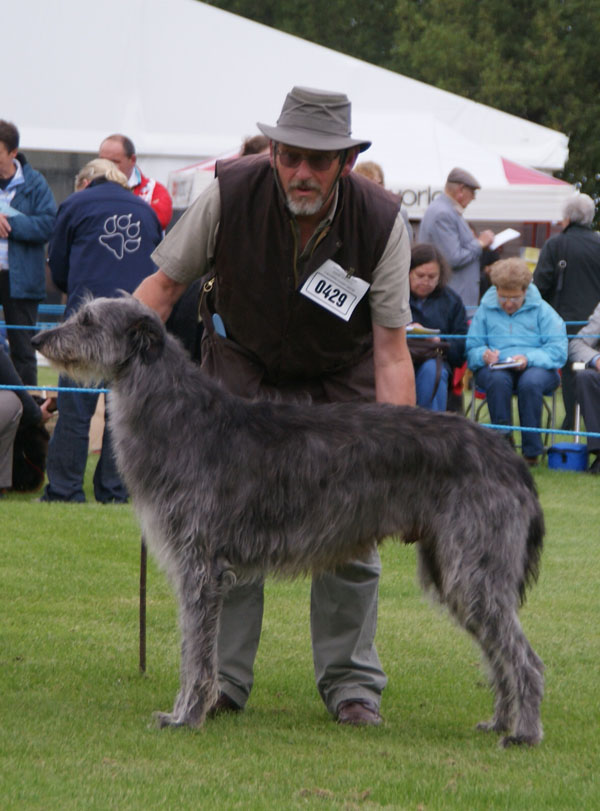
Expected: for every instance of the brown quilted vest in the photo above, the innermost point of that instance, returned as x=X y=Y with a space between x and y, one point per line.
x=259 y=274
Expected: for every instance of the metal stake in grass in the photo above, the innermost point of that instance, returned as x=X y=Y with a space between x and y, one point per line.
x=143 y=570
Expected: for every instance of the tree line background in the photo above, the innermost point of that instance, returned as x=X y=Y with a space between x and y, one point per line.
x=537 y=59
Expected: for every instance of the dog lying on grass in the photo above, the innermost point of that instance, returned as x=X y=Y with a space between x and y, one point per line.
x=223 y=485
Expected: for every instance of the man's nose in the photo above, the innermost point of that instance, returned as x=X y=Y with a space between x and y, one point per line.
x=304 y=170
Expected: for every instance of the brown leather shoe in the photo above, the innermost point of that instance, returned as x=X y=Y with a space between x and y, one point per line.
x=532 y=461
x=223 y=705
x=358 y=712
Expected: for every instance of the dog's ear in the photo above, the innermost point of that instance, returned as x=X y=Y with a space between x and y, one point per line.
x=146 y=338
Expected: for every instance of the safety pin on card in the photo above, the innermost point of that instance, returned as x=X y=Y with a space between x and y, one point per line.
x=331 y=287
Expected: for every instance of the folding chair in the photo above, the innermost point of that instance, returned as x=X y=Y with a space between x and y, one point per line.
x=479 y=401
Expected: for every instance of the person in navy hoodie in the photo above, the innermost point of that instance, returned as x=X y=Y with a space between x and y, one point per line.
x=101 y=244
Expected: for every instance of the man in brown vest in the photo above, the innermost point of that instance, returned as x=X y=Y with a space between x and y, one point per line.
x=307 y=266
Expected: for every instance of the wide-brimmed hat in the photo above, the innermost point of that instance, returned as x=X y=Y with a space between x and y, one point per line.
x=458 y=175
x=314 y=119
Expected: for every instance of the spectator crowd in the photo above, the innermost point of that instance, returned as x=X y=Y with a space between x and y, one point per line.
x=475 y=320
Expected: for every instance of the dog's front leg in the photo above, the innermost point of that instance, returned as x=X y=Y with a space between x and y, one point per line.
x=200 y=600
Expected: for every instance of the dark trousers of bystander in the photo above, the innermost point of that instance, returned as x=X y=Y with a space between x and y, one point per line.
x=20 y=312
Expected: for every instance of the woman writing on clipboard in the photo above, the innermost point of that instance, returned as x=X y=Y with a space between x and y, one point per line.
x=515 y=344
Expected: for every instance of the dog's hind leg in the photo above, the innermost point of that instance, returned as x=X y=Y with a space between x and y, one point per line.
x=485 y=605
x=200 y=600
x=471 y=614
x=529 y=670
x=501 y=677
x=516 y=675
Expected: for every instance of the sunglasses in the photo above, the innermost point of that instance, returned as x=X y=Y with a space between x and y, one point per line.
x=317 y=161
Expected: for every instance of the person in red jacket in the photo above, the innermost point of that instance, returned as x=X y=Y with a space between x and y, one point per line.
x=120 y=150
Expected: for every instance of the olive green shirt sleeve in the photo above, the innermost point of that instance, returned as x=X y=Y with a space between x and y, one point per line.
x=188 y=249
x=389 y=296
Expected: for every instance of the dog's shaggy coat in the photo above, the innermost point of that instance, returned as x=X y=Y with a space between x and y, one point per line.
x=222 y=484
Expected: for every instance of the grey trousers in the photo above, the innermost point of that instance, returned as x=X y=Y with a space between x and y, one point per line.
x=343 y=618
x=343 y=607
x=10 y=415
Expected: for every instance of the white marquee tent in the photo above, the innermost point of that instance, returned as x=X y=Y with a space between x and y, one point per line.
x=186 y=80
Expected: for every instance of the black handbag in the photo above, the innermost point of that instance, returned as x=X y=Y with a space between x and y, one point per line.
x=30 y=449
x=422 y=349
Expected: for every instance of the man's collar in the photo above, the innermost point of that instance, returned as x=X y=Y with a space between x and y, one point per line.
x=328 y=218
x=455 y=204
x=18 y=176
x=135 y=178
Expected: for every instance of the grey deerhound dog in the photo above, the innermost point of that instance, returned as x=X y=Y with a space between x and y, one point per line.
x=224 y=486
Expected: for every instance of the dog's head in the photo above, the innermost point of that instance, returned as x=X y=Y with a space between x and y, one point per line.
x=102 y=338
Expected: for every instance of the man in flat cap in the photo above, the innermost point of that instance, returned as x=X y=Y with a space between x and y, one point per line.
x=307 y=267
x=443 y=225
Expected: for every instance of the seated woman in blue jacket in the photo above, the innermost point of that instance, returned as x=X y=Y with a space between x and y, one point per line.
x=514 y=322
x=435 y=305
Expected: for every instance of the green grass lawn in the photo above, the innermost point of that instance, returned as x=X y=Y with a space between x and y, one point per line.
x=76 y=730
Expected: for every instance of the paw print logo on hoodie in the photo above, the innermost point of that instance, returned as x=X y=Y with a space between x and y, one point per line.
x=121 y=235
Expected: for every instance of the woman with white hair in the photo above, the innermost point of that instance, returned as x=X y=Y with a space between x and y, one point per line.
x=101 y=244
x=568 y=277
x=514 y=325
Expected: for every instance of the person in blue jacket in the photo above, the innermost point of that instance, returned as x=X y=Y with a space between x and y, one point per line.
x=514 y=324
x=27 y=212
x=101 y=245
x=435 y=305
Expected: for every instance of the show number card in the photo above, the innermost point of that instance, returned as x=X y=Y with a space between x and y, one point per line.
x=331 y=287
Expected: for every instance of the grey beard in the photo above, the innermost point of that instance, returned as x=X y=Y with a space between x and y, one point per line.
x=304 y=208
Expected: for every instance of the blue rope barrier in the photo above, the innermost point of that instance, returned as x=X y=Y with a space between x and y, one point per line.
x=54 y=309
x=54 y=388
x=484 y=424
x=36 y=327
x=482 y=337
x=538 y=430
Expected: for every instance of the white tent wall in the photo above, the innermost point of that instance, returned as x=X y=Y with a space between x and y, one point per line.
x=416 y=153
x=186 y=80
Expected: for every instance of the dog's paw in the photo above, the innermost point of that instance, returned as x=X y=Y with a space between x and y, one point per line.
x=491 y=726
x=167 y=719
x=519 y=740
x=178 y=719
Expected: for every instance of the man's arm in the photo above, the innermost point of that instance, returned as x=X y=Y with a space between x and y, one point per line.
x=394 y=373
x=583 y=349
x=451 y=235
x=544 y=275
x=184 y=254
x=160 y=292
x=35 y=226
